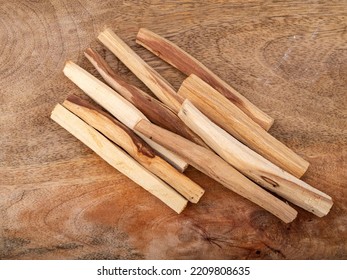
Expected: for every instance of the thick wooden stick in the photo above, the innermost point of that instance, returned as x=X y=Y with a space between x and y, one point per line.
x=255 y=166
x=135 y=146
x=156 y=83
x=184 y=62
x=233 y=120
x=212 y=165
x=152 y=108
x=117 y=158
x=120 y=108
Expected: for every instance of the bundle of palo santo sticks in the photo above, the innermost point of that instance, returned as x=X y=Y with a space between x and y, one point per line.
x=206 y=124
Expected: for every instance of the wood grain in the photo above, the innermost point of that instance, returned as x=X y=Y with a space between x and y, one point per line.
x=218 y=169
x=137 y=148
x=118 y=158
x=186 y=63
x=288 y=58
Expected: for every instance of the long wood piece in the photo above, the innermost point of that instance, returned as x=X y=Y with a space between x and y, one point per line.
x=135 y=146
x=212 y=165
x=152 y=108
x=255 y=166
x=233 y=120
x=187 y=64
x=118 y=158
x=156 y=83
x=119 y=107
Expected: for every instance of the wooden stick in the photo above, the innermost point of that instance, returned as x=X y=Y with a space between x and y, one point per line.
x=120 y=108
x=233 y=120
x=255 y=166
x=152 y=108
x=135 y=146
x=156 y=83
x=212 y=165
x=187 y=64
x=117 y=158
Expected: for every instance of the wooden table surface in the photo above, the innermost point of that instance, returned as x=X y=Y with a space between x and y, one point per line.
x=58 y=200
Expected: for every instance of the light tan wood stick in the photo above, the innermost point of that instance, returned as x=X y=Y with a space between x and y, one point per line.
x=225 y=114
x=152 y=108
x=135 y=146
x=255 y=166
x=156 y=83
x=119 y=107
x=118 y=158
x=187 y=64
x=212 y=165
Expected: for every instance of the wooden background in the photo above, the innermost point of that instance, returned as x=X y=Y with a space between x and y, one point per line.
x=58 y=200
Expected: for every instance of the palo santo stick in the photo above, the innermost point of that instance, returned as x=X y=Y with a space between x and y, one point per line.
x=233 y=120
x=152 y=108
x=212 y=165
x=156 y=83
x=135 y=146
x=255 y=166
x=120 y=108
x=117 y=158
x=187 y=64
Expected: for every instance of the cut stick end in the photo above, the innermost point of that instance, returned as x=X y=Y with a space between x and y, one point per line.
x=267 y=125
x=180 y=209
x=291 y=216
x=324 y=208
x=195 y=199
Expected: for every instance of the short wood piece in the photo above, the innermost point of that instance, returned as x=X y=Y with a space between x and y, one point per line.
x=156 y=83
x=118 y=158
x=187 y=64
x=119 y=107
x=212 y=165
x=225 y=114
x=134 y=145
x=255 y=166
x=152 y=108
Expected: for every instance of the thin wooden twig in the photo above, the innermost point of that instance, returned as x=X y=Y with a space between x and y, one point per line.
x=134 y=145
x=184 y=62
x=212 y=165
x=255 y=166
x=117 y=158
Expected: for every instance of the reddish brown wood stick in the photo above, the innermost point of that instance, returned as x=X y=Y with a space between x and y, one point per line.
x=187 y=64
x=152 y=108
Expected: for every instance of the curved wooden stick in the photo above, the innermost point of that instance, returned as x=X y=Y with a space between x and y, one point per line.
x=135 y=146
x=255 y=166
x=212 y=165
x=118 y=158
x=152 y=108
x=187 y=64
x=225 y=114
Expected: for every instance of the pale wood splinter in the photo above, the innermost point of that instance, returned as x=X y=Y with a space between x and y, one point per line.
x=255 y=166
x=187 y=64
x=212 y=165
x=118 y=158
x=134 y=145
